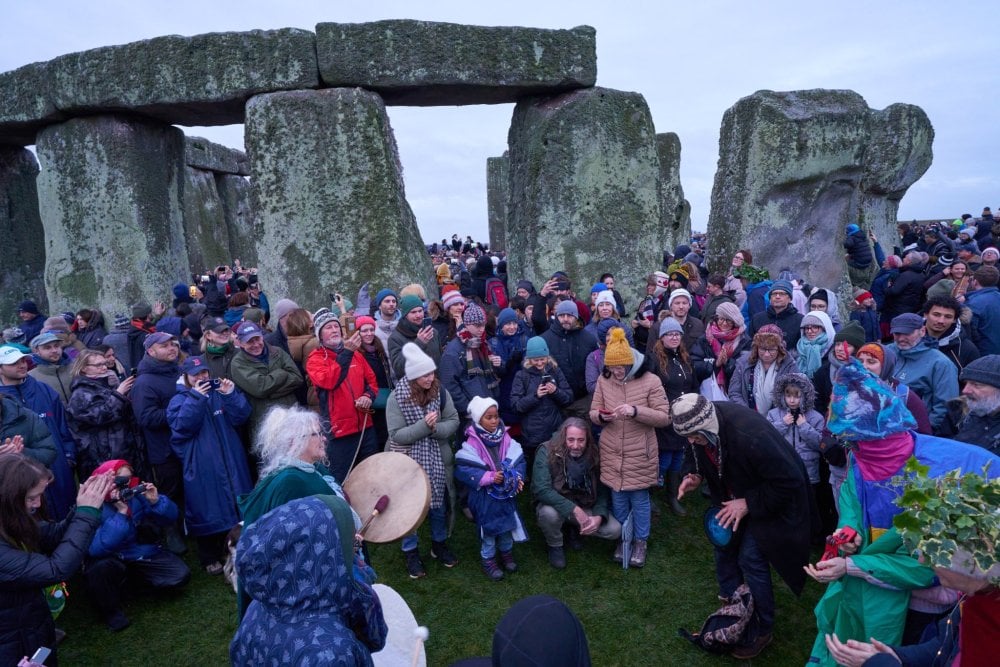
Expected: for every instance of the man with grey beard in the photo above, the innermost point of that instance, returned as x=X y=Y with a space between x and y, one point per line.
x=982 y=397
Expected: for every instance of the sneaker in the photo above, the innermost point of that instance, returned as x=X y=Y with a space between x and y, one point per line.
x=118 y=621
x=753 y=650
x=441 y=552
x=557 y=558
x=214 y=568
x=619 y=550
x=507 y=560
x=414 y=566
x=638 y=558
x=492 y=569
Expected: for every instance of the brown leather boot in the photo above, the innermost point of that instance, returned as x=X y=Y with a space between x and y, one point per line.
x=638 y=558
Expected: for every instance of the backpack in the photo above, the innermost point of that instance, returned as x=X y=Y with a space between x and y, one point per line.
x=496 y=295
x=728 y=627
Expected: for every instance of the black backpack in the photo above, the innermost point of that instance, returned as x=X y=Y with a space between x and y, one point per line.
x=728 y=627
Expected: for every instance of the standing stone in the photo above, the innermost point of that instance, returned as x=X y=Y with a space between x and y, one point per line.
x=234 y=192
x=676 y=209
x=204 y=154
x=796 y=167
x=423 y=63
x=21 y=229
x=110 y=197
x=584 y=190
x=497 y=195
x=205 y=229
x=331 y=212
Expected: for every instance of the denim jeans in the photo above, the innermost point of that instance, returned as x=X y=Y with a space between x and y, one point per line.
x=747 y=565
x=671 y=460
x=638 y=502
x=490 y=543
x=439 y=529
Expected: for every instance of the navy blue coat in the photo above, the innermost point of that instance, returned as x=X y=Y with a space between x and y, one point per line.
x=215 y=466
x=540 y=417
x=570 y=350
x=150 y=395
x=462 y=385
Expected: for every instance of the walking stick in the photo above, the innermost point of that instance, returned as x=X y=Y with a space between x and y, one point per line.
x=357 y=450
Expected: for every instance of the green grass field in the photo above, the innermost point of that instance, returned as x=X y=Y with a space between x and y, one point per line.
x=631 y=618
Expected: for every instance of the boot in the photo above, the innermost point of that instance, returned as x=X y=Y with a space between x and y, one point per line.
x=507 y=560
x=673 y=484
x=441 y=552
x=557 y=558
x=492 y=569
x=638 y=558
x=619 y=550
x=573 y=539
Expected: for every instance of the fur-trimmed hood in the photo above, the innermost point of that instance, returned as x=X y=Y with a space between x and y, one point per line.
x=802 y=383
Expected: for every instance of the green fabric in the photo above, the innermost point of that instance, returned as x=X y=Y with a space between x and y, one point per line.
x=852 y=608
x=345 y=524
x=266 y=386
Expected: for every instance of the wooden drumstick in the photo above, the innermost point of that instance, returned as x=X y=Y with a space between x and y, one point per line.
x=420 y=634
x=380 y=505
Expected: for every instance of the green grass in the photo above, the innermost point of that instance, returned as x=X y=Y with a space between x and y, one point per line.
x=631 y=618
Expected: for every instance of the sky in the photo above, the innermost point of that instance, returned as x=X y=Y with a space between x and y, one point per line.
x=691 y=61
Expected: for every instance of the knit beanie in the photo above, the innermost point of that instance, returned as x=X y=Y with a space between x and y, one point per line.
x=56 y=323
x=770 y=335
x=141 y=311
x=363 y=320
x=478 y=407
x=853 y=333
x=282 y=308
x=382 y=293
x=605 y=296
x=537 y=347
x=680 y=276
x=693 y=413
x=991 y=252
x=731 y=312
x=525 y=284
x=618 y=352
x=443 y=271
x=506 y=316
x=984 y=369
x=605 y=326
x=860 y=296
x=28 y=306
x=451 y=298
x=409 y=302
x=181 y=293
x=254 y=315
x=942 y=287
x=473 y=314
x=893 y=261
x=873 y=349
x=670 y=324
x=678 y=293
x=660 y=279
x=865 y=408
x=782 y=286
x=598 y=287
x=567 y=308
x=321 y=318
x=417 y=362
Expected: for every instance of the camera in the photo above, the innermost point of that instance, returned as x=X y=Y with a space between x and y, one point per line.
x=216 y=383
x=125 y=493
x=843 y=536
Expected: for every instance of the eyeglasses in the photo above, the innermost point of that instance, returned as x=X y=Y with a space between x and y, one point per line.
x=673 y=334
x=101 y=364
x=769 y=350
x=812 y=327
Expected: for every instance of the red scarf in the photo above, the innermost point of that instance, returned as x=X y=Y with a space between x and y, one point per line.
x=881 y=459
x=144 y=325
x=727 y=340
x=979 y=631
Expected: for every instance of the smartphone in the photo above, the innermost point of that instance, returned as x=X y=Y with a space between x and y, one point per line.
x=351 y=326
x=134 y=372
x=606 y=412
x=427 y=322
x=41 y=655
x=547 y=379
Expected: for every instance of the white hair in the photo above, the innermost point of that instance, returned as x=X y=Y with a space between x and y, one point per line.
x=283 y=436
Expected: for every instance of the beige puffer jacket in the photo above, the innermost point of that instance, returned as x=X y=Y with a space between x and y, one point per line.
x=629 y=456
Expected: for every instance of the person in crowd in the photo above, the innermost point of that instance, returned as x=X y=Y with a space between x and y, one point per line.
x=609 y=282
x=679 y=303
x=983 y=299
x=279 y=337
x=421 y=417
x=881 y=361
x=203 y=417
x=39 y=398
x=300 y=613
x=756 y=283
x=605 y=308
x=945 y=330
x=725 y=340
x=864 y=313
x=649 y=306
x=449 y=321
x=509 y=343
x=375 y=354
x=716 y=295
x=556 y=290
x=386 y=315
x=676 y=372
x=90 y=327
x=267 y=375
x=875 y=580
x=155 y=385
x=32 y=320
x=217 y=347
x=887 y=275
x=859 y=256
x=569 y=345
x=538 y=394
x=990 y=257
x=100 y=415
x=347 y=389
x=978 y=421
x=468 y=367
x=762 y=490
x=846 y=343
x=238 y=304
x=781 y=313
x=752 y=384
x=567 y=488
x=815 y=342
x=412 y=328
x=120 y=548
x=491 y=464
x=825 y=301
x=36 y=554
x=116 y=369
x=52 y=365
x=904 y=294
x=629 y=404
x=924 y=370
x=733 y=285
x=142 y=324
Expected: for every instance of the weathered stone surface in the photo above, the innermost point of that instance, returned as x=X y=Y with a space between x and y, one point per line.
x=497 y=196
x=21 y=230
x=796 y=167
x=204 y=154
x=200 y=80
x=422 y=63
x=676 y=210
x=110 y=197
x=205 y=229
x=584 y=189
x=234 y=192
x=328 y=197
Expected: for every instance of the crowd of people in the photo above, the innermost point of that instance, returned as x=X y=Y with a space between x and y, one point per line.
x=793 y=412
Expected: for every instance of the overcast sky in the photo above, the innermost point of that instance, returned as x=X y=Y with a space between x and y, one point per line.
x=691 y=61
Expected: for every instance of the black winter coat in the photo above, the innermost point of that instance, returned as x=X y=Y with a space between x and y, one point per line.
x=760 y=467
x=703 y=359
x=540 y=417
x=463 y=385
x=677 y=378
x=25 y=620
x=102 y=423
x=570 y=350
x=789 y=320
x=905 y=294
x=859 y=249
x=150 y=396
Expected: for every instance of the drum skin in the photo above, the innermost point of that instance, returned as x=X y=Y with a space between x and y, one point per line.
x=405 y=483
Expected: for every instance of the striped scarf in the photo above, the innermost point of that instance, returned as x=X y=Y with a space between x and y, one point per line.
x=425 y=451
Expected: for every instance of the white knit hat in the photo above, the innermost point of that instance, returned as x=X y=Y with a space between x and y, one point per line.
x=607 y=296
x=680 y=291
x=478 y=407
x=418 y=364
